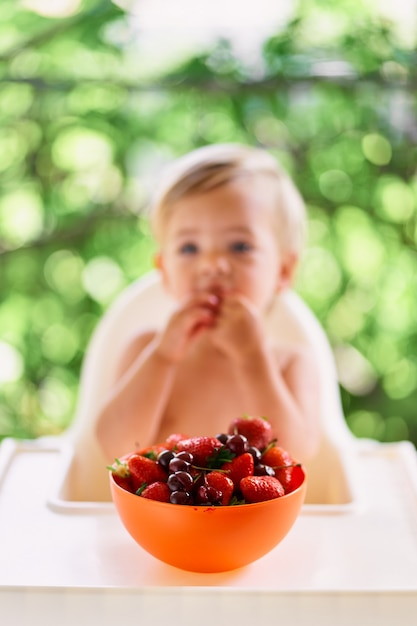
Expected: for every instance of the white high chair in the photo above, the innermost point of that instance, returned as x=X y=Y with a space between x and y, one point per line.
x=345 y=557
x=146 y=304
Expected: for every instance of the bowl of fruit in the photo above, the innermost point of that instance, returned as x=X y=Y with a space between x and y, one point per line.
x=210 y=504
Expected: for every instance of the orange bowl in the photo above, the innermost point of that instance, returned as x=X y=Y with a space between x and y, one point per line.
x=208 y=538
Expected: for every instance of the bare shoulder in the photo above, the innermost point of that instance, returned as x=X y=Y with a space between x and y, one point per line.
x=133 y=349
x=300 y=370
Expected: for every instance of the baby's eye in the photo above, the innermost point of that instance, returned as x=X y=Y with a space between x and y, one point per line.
x=188 y=248
x=241 y=246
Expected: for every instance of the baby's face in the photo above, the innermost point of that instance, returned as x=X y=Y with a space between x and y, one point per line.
x=224 y=241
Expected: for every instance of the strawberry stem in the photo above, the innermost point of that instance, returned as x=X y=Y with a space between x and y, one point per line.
x=119 y=468
x=210 y=469
x=142 y=488
x=271 y=444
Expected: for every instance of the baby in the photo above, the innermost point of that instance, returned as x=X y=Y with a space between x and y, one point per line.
x=229 y=225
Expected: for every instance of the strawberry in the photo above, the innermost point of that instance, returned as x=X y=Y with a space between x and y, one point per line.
x=257 y=430
x=276 y=456
x=124 y=482
x=144 y=470
x=261 y=488
x=281 y=462
x=202 y=448
x=297 y=477
x=239 y=467
x=222 y=483
x=157 y=491
x=152 y=451
x=170 y=442
x=121 y=474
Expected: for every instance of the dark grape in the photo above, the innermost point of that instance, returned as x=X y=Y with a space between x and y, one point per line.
x=185 y=456
x=178 y=465
x=180 y=481
x=208 y=495
x=238 y=444
x=257 y=455
x=201 y=496
x=263 y=470
x=164 y=458
x=215 y=495
x=222 y=437
x=180 y=497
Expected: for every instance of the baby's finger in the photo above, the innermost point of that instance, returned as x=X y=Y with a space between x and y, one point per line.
x=236 y=303
x=193 y=316
x=203 y=301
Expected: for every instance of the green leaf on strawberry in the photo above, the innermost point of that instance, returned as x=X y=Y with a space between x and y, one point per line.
x=139 y=491
x=151 y=454
x=235 y=501
x=119 y=468
x=219 y=457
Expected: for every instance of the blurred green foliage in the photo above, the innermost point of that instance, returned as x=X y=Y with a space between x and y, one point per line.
x=85 y=128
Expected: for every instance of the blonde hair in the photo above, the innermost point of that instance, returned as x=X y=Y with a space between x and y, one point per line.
x=205 y=168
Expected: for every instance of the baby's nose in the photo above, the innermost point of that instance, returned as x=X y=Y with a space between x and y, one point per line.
x=215 y=262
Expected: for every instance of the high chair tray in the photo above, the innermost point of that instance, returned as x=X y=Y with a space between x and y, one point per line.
x=80 y=564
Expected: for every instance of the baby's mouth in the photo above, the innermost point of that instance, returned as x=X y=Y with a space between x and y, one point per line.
x=216 y=290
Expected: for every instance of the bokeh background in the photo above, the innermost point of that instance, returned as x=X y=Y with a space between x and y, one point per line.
x=95 y=97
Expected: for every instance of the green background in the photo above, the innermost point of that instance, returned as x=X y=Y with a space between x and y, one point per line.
x=86 y=125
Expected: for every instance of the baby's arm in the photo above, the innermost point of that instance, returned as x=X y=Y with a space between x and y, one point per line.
x=133 y=412
x=288 y=397
x=284 y=388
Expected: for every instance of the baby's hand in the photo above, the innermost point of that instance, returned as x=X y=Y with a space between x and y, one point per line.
x=195 y=315
x=237 y=328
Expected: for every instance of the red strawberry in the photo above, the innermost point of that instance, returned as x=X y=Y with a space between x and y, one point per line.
x=240 y=467
x=121 y=474
x=124 y=482
x=222 y=483
x=276 y=456
x=144 y=470
x=261 y=488
x=202 y=448
x=152 y=451
x=171 y=441
x=157 y=491
x=297 y=478
x=282 y=463
x=257 y=430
